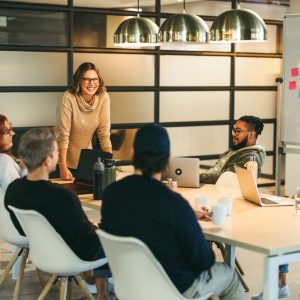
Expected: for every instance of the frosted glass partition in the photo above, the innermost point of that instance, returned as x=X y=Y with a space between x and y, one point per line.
x=194 y=70
x=132 y=107
x=269 y=46
x=257 y=71
x=30 y=109
x=121 y=69
x=33 y=68
x=145 y=5
x=194 y=106
x=267 y=167
x=258 y=103
x=198 y=7
x=198 y=140
x=267 y=137
x=57 y=2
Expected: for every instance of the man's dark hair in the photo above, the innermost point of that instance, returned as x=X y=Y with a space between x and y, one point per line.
x=254 y=123
x=151 y=149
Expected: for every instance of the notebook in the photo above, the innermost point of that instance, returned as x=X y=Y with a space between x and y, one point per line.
x=250 y=192
x=83 y=182
x=184 y=170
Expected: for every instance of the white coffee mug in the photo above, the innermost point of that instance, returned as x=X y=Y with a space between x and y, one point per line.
x=201 y=201
x=219 y=213
x=227 y=201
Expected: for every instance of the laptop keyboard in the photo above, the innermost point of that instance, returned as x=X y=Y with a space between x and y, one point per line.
x=267 y=201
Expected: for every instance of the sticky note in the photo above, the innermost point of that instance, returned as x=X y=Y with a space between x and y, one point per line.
x=294 y=72
x=292 y=85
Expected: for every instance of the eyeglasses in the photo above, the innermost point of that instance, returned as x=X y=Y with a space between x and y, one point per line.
x=237 y=131
x=89 y=80
x=6 y=130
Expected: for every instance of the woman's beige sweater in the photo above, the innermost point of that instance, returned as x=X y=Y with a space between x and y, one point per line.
x=77 y=121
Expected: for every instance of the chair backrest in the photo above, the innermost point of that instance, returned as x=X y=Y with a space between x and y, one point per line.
x=137 y=273
x=48 y=251
x=228 y=179
x=8 y=232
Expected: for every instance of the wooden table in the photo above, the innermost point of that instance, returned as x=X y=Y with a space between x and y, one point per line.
x=271 y=231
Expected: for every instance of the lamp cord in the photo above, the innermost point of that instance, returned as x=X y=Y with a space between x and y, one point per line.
x=138 y=14
x=184 y=11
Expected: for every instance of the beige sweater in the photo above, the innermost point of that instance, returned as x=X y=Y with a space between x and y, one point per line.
x=77 y=121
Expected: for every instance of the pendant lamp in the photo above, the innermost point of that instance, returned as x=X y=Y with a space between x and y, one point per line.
x=238 y=25
x=136 y=32
x=183 y=28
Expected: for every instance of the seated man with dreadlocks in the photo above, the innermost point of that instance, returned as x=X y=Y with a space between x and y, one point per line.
x=244 y=134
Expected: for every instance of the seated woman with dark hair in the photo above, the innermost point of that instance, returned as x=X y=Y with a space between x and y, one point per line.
x=9 y=168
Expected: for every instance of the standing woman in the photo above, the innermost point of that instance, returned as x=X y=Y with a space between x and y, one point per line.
x=84 y=109
x=9 y=168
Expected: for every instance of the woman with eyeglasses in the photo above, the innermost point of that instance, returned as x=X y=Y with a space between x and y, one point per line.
x=83 y=110
x=10 y=167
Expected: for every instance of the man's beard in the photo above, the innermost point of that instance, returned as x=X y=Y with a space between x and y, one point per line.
x=240 y=145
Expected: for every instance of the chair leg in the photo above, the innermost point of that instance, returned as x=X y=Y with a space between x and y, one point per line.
x=21 y=274
x=243 y=282
x=47 y=287
x=69 y=292
x=63 y=288
x=10 y=265
x=81 y=283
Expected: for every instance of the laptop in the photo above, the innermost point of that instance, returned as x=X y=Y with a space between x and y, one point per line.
x=83 y=182
x=250 y=192
x=184 y=170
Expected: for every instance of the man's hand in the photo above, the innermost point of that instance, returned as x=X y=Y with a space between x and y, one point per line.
x=203 y=214
x=94 y=224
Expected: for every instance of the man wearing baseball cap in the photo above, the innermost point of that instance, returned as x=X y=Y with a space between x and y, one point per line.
x=143 y=207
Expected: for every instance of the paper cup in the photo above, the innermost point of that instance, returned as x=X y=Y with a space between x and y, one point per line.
x=227 y=201
x=201 y=201
x=219 y=213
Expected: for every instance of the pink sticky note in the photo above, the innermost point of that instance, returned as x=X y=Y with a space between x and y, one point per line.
x=292 y=85
x=294 y=72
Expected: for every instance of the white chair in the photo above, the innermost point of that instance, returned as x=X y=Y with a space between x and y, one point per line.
x=50 y=253
x=228 y=179
x=9 y=234
x=137 y=273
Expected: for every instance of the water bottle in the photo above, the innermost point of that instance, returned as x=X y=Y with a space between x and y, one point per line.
x=109 y=172
x=252 y=166
x=98 y=180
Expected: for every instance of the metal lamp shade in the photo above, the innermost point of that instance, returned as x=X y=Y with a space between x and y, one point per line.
x=238 y=25
x=183 y=28
x=136 y=32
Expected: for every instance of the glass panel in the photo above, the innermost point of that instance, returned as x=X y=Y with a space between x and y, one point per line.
x=257 y=71
x=95 y=30
x=122 y=142
x=194 y=70
x=261 y=47
x=198 y=7
x=131 y=5
x=29 y=27
x=257 y=103
x=198 y=47
x=132 y=107
x=267 y=167
x=193 y=106
x=121 y=69
x=30 y=109
x=186 y=141
x=33 y=68
x=267 y=137
x=57 y=2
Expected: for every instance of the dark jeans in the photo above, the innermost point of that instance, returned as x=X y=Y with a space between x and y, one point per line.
x=103 y=271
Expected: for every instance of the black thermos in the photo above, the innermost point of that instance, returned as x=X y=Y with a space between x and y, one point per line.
x=98 y=179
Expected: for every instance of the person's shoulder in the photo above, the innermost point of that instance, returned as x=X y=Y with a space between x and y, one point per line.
x=68 y=97
x=5 y=158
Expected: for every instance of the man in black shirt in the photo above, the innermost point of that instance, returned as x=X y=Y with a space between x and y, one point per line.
x=143 y=207
x=61 y=207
